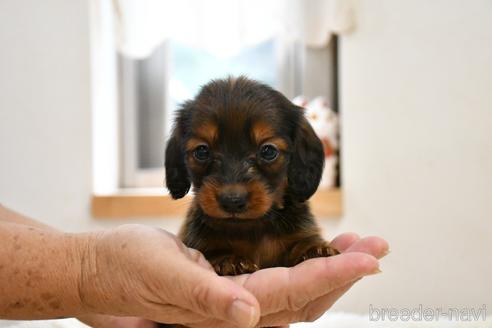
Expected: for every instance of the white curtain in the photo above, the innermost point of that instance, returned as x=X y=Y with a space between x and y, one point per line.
x=322 y=18
x=224 y=27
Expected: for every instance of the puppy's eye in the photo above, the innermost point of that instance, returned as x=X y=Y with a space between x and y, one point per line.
x=269 y=152
x=201 y=153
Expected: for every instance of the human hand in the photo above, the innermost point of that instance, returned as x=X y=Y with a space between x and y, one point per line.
x=176 y=284
x=309 y=289
x=306 y=291
x=109 y=321
x=140 y=271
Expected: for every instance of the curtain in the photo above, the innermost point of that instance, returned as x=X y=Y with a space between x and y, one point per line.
x=224 y=27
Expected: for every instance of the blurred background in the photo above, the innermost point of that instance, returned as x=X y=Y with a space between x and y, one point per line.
x=399 y=91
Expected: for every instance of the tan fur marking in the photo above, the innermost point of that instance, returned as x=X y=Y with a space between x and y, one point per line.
x=260 y=201
x=193 y=143
x=262 y=131
x=207 y=131
x=207 y=198
x=279 y=142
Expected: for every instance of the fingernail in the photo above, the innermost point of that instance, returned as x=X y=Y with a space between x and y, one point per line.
x=386 y=252
x=243 y=314
x=376 y=271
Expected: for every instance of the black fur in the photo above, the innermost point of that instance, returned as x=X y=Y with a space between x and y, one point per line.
x=278 y=229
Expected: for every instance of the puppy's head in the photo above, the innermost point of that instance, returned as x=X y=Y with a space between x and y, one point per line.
x=244 y=147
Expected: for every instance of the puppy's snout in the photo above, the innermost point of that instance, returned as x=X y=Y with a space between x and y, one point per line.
x=233 y=200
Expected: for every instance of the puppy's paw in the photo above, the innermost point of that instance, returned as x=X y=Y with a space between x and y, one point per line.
x=321 y=250
x=233 y=265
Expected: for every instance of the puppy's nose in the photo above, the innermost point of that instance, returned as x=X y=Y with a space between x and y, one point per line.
x=233 y=201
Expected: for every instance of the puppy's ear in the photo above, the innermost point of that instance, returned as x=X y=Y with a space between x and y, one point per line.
x=306 y=163
x=177 y=178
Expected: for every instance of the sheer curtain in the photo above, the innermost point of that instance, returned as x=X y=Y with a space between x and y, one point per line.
x=224 y=27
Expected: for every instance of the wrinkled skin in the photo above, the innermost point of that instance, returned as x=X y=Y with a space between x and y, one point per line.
x=177 y=284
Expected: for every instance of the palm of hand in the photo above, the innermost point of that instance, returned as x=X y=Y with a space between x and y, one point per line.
x=306 y=291
x=189 y=292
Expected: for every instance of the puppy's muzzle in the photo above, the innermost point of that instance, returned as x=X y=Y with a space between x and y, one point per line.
x=233 y=200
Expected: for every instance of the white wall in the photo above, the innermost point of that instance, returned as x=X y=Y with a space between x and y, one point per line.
x=416 y=95
x=45 y=109
x=45 y=113
x=417 y=119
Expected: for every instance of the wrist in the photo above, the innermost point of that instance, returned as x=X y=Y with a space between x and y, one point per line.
x=81 y=250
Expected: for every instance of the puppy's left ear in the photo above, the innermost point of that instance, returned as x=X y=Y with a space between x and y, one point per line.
x=306 y=163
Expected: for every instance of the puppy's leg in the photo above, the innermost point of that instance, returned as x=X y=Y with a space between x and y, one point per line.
x=310 y=247
x=231 y=265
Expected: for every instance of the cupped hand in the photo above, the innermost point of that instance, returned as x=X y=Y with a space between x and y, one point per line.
x=306 y=291
x=140 y=271
x=135 y=270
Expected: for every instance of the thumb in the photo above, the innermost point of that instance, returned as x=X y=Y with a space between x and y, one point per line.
x=206 y=293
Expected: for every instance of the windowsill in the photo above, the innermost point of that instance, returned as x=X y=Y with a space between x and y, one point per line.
x=142 y=203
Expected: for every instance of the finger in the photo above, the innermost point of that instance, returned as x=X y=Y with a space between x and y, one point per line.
x=375 y=246
x=311 y=312
x=171 y=314
x=100 y=321
x=204 y=292
x=199 y=258
x=344 y=241
x=131 y=322
x=316 y=309
x=210 y=323
x=279 y=289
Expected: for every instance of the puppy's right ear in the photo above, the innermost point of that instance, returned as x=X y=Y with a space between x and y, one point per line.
x=177 y=178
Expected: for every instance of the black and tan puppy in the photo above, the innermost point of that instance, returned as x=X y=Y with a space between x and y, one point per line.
x=253 y=161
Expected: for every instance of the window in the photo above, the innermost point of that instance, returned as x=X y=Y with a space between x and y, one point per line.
x=138 y=86
x=151 y=89
x=150 y=84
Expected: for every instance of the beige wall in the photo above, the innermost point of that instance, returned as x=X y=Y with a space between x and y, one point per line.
x=417 y=119
x=416 y=97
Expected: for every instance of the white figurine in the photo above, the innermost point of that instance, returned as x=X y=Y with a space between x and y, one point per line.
x=326 y=125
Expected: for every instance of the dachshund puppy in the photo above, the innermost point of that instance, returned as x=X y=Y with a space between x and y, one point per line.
x=253 y=161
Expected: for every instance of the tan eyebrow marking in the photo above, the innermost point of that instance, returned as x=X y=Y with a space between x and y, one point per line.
x=279 y=142
x=261 y=132
x=192 y=143
x=208 y=132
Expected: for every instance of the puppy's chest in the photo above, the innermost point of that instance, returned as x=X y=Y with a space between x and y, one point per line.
x=266 y=252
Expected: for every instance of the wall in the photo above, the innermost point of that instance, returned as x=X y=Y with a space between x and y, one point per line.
x=417 y=149
x=45 y=114
x=45 y=109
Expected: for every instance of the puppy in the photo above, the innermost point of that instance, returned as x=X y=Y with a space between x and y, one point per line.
x=253 y=161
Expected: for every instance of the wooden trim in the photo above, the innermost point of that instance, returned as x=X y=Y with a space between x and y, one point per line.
x=325 y=204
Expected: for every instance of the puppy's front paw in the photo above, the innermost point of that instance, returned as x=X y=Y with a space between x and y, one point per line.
x=321 y=250
x=233 y=265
